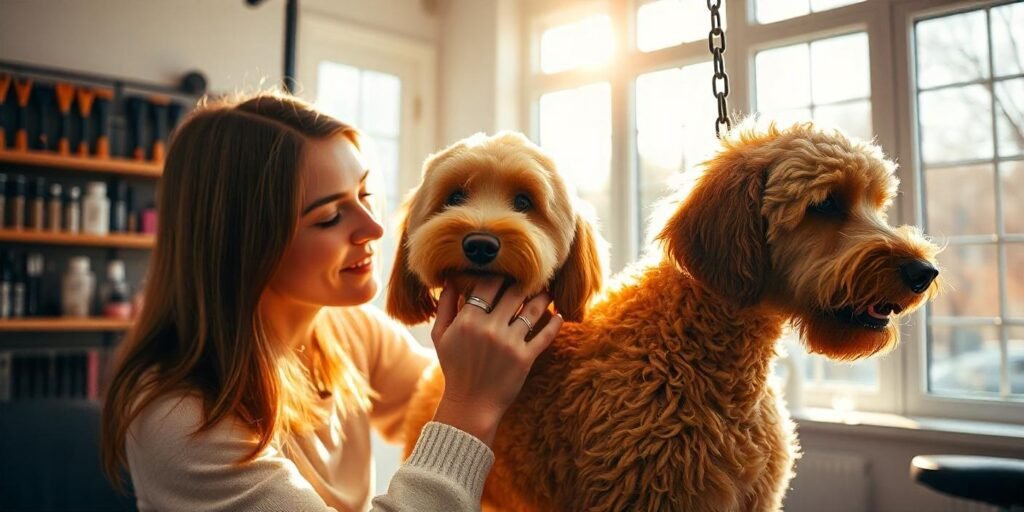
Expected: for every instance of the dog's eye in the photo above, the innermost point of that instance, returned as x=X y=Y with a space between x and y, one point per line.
x=522 y=203
x=828 y=207
x=456 y=198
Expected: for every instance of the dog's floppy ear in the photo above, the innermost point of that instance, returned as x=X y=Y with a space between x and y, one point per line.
x=581 y=275
x=718 y=234
x=409 y=300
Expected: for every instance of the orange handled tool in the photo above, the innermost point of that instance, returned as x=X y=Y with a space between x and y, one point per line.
x=5 y=85
x=85 y=98
x=103 y=99
x=65 y=97
x=23 y=89
x=159 y=109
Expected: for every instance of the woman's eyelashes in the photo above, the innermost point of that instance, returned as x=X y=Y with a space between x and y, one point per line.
x=364 y=197
x=332 y=221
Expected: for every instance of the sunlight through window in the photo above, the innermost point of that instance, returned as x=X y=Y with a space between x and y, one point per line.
x=583 y=44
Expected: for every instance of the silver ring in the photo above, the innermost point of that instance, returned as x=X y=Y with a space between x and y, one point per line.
x=480 y=303
x=529 y=324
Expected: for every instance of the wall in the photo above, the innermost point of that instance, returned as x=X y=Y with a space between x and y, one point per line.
x=479 y=68
x=232 y=44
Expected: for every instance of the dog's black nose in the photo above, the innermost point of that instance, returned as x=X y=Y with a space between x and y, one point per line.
x=480 y=248
x=918 y=274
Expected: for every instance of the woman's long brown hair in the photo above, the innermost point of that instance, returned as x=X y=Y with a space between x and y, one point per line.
x=229 y=202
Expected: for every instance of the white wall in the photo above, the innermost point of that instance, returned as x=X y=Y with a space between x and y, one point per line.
x=479 y=68
x=154 y=41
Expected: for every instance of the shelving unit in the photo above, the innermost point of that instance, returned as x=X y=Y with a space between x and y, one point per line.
x=119 y=166
x=64 y=324
x=113 y=240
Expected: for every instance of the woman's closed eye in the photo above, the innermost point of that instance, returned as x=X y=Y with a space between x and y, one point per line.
x=333 y=220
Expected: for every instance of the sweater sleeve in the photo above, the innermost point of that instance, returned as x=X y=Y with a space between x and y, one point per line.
x=446 y=472
x=172 y=469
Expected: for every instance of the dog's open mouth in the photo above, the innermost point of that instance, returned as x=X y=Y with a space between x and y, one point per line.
x=876 y=316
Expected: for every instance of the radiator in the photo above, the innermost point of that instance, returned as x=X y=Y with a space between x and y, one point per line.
x=832 y=481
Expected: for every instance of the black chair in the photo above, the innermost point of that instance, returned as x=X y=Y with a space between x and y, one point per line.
x=992 y=480
x=49 y=458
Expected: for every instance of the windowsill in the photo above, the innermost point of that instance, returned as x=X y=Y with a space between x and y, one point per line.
x=973 y=433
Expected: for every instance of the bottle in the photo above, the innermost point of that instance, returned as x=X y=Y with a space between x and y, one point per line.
x=37 y=205
x=96 y=209
x=18 y=203
x=56 y=208
x=3 y=200
x=73 y=211
x=77 y=288
x=133 y=217
x=19 y=288
x=116 y=296
x=149 y=219
x=119 y=208
x=34 y=265
x=6 y=278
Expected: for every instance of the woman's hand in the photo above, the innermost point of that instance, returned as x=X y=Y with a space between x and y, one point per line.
x=484 y=355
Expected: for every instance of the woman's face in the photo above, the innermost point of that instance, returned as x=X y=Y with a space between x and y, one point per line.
x=328 y=262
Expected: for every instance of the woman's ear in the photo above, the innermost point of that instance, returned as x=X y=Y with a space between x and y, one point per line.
x=409 y=300
x=581 y=275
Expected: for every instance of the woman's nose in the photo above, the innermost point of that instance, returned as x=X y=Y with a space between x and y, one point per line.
x=369 y=229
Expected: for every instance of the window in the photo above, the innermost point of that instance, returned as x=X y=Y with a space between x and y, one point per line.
x=970 y=97
x=626 y=107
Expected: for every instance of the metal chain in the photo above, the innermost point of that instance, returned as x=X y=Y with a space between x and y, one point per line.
x=720 y=81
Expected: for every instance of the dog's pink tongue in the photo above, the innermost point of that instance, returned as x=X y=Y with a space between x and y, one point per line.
x=873 y=311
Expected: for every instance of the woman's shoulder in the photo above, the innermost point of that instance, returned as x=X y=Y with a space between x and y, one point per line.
x=171 y=414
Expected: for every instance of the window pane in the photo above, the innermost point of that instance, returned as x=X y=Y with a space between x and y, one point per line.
x=586 y=43
x=839 y=68
x=575 y=128
x=1015 y=349
x=675 y=129
x=784 y=118
x=971 y=279
x=769 y=11
x=964 y=359
x=664 y=23
x=1015 y=280
x=852 y=118
x=337 y=91
x=956 y=124
x=381 y=103
x=1007 y=42
x=858 y=373
x=1011 y=180
x=783 y=78
x=961 y=201
x=1010 y=116
x=824 y=5
x=952 y=49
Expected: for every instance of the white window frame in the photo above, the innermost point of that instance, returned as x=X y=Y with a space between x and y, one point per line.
x=888 y=27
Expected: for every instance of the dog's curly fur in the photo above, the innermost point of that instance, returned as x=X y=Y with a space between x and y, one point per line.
x=660 y=400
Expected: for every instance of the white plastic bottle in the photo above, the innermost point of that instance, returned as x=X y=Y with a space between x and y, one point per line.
x=96 y=209
x=77 y=288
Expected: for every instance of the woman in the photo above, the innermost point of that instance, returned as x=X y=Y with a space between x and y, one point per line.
x=255 y=370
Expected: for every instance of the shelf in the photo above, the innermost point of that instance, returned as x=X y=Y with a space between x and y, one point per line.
x=59 y=324
x=119 y=240
x=100 y=165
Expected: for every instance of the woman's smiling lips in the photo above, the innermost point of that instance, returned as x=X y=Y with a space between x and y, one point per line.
x=360 y=267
